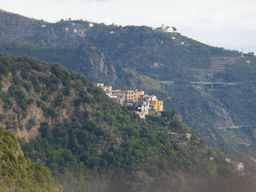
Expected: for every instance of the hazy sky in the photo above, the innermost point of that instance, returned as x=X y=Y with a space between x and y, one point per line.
x=224 y=23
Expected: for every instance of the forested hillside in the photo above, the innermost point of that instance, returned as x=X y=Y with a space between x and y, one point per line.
x=19 y=173
x=17 y=27
x=67 y=124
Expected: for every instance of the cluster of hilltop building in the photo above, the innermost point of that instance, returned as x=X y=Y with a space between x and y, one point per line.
x=144 y=104
x=165 y=29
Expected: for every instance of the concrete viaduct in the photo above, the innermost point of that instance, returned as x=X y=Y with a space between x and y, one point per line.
x=215 y=83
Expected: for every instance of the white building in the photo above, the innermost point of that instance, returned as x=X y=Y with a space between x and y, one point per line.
x=145 y=103
x=168 y=29
x=240 y=167
x=164 y=29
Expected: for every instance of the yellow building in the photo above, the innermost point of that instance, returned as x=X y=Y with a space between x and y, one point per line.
x=135 y=95
x=122 y=95
x=129 y=96
x=159 y=105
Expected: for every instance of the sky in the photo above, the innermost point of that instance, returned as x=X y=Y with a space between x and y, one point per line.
x=230 y=24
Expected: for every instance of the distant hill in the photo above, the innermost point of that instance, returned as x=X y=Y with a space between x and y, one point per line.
x=17 y=27
x=159 y=55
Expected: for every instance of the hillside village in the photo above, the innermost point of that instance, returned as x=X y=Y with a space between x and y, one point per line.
x=145 y=104
x=76 y=27
x=150 y=105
